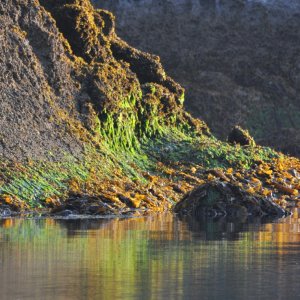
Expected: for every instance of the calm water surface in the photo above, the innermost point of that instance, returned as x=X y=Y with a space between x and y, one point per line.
x=158 y=257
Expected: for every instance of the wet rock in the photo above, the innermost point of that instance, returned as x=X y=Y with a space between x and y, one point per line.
x=130 y=202
x=177 y=188
x=253 y=208
x=5 y=211
x=240 y=136
x=64 y=213
x=132 y=213
x=85 y=205
x=236 y=210
x=98 y=209
x=225 y=199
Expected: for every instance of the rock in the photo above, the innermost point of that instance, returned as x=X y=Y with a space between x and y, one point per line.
x=240 y=136
x=34 y=70
x=5 y=211
x=64 y=213
x=177 y=188
x=75 y=96
x=98 y=209
x=218 y=198
x=85 y=205
x=132 y=213
x=208 y=46
x=130 y=201
x=236 y=210
x=70 y=55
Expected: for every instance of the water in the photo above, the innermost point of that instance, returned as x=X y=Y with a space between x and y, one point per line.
x=158 y=257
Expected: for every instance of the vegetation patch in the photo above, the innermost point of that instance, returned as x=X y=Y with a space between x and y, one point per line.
x=142 y=151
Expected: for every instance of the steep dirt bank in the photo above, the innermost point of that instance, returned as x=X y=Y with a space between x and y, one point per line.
x=90 y=125
x=238 y=60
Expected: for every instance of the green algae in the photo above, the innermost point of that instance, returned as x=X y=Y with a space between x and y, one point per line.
x=138 y=128
x=37 y=182
x=132 y=140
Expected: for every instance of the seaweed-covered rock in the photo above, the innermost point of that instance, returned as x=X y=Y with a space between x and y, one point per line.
x=63 y=71
x=240 y=136
x=90 y=125
x=225 y=199
x=36 y=85
x=87 y=30
x=207 y=46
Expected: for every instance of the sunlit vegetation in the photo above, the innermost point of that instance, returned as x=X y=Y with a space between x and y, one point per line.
x=142 y=150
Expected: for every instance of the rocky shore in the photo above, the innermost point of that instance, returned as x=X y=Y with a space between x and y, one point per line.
x=93 y=126
x=238 y=60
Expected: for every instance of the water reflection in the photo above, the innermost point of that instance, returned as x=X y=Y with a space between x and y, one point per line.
x=152 y=258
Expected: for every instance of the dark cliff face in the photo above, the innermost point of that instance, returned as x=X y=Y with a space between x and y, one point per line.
x=238 y=60
x=82 y=112
x=63 y=70
x=35 y=82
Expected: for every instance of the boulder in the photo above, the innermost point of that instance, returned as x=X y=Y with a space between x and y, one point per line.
x=218 y=198
x=240 y=136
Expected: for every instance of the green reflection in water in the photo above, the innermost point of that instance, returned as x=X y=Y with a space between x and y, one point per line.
x=155 y=257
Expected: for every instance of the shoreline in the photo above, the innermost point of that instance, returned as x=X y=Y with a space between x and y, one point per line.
x=109 y=131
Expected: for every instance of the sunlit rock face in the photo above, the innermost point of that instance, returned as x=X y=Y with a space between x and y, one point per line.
x=239 y=60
